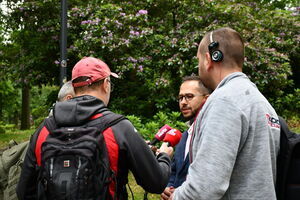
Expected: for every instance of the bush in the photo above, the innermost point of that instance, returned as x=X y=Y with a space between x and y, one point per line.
x=6 y=127
x=148 y=128
x=2 y=130
x=288 y=106
x=294 y=123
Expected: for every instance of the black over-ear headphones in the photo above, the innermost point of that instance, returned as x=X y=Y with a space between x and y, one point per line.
x=215 y=54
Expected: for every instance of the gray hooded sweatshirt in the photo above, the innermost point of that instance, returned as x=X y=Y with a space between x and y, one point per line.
x=235 y=145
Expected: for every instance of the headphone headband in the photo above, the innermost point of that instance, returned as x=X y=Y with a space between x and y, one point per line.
x=210 y=37
x=215 y=54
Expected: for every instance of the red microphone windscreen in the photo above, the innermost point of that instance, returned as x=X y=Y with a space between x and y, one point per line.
x=162 y=132
x=173 y=137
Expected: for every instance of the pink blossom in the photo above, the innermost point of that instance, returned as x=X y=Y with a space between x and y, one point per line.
x=141 y=68
x=118 y=23
x=132 y=59
x=134 y=33
x=75 y=9
x=282 y=34
x=143 y=12
x=84 y=22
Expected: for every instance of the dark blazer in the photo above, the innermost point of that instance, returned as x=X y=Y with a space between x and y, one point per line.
x=179 y=165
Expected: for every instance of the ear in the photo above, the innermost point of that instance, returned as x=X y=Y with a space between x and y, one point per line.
x=208 y=62
x=69 y=96
x=105 y=86
x=205 y=98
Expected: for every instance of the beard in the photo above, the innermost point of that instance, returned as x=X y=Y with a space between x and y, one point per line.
x=191 y=116
x=206 y=80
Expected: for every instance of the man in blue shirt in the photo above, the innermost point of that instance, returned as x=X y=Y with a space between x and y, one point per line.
x=192 y=96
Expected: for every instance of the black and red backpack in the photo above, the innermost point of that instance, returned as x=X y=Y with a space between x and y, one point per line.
x=75 y=162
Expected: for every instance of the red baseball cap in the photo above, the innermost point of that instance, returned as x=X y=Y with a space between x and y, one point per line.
x=93 y=68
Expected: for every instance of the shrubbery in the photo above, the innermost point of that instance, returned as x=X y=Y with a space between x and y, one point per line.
x=148 y=128
x=151 y=45
x=6 y=127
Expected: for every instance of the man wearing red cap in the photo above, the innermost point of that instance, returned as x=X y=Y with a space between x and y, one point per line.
x=126 y=148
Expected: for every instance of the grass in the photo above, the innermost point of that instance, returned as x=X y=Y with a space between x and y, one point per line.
x=138 y=192
x=16 y=135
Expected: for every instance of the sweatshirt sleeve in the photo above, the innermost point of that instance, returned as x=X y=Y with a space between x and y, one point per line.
x=217 y=139
x=151 y=173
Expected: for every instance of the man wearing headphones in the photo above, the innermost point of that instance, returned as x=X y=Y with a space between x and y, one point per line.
x=236 y=135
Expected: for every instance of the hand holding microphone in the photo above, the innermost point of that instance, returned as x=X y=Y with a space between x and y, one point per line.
x=171 y=139
x=165 y=148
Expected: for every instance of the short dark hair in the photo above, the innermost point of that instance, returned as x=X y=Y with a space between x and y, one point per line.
x=86 y=87
x=230 y=43
x=197 y=78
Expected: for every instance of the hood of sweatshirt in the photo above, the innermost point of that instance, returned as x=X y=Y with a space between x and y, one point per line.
x=77 y=111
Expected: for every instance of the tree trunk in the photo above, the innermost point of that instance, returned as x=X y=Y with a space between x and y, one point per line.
x=25 y=116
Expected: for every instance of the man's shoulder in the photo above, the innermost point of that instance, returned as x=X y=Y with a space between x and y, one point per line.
x=240 y=92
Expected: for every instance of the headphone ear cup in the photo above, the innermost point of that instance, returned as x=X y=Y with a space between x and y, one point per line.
x=217 y=56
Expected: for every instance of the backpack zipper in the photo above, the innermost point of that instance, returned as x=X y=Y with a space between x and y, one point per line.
x=51 y=168
x=77 y=172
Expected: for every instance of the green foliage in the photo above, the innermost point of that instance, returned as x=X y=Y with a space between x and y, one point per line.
x=9 y=101
x=2 y=129
x=41 y=102
x=151 y=44
x=155 y=43
x=6 y=127
x=147 y=128
x=294 y=123
x=32 y=29
x=288 y=105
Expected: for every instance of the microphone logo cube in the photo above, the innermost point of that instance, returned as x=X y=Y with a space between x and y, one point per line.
x=162 y=132
x=172 y=132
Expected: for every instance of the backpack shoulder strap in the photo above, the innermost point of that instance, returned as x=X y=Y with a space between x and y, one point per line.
x=105 y=120
x=49 y=124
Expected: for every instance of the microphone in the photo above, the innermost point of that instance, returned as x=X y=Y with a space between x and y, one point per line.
x=159 y=136
x=173 y=137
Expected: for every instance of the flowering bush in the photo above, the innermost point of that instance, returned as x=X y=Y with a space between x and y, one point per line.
x=153 y=44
